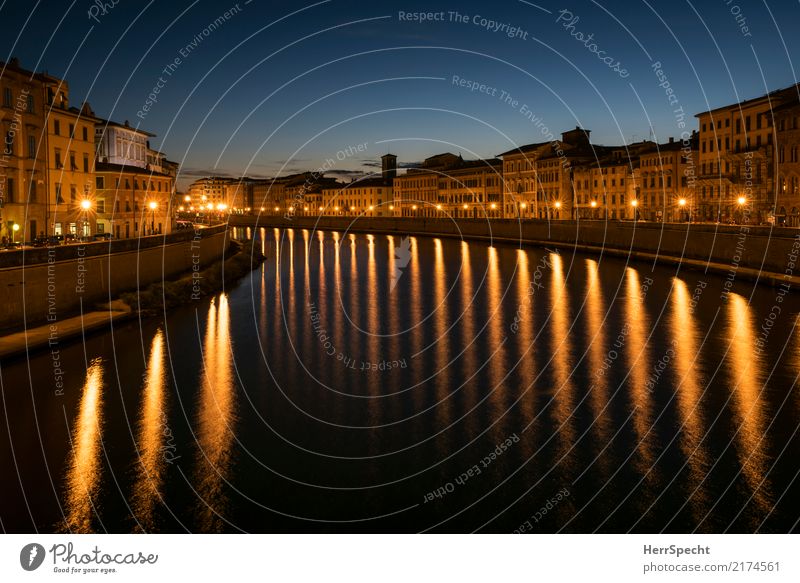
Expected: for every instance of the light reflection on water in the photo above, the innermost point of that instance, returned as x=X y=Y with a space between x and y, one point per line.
x=653 y=413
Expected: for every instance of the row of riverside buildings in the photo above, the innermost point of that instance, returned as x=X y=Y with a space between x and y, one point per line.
x=65 y=171
x=740 y=164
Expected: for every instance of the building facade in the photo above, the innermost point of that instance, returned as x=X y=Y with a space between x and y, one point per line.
x=446 y=185
x=23 y=156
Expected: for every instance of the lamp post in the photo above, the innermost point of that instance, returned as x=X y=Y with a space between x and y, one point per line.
x=681 y=205
x=14 y=229
x=153 y=206
x=741 y=201
x=635 y=205
x=86 y=204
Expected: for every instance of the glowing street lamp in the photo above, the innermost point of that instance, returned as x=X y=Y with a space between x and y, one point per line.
x=413 y=207
x=465 y=207
x=277 y=209
x=153 y=206
x=391 y=207
x=523 y=206
x=493 y=206
x=352 y=208
x=14 y=229
x=741 y=200
x=371 y=208
x=187 y=198
x=438 y=207
x=557 y=204
x=594 y=204
x=634 y=203
x=86 y=204
x=681 y=202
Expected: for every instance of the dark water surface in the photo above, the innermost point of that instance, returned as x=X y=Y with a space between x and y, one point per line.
x=408 y=384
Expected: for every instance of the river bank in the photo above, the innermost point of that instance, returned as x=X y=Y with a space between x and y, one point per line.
x=146 y=303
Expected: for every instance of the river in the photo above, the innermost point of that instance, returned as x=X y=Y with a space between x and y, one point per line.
x=374 y=383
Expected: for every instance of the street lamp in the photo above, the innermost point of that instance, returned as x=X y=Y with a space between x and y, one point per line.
x=14 y=229
x=438 y=207
x=741 y=200
x=86 y=204
x=634 y=204
x=557 y=204
x=153 y=206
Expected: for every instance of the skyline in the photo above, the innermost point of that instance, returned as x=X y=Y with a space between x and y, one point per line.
x=228 y=105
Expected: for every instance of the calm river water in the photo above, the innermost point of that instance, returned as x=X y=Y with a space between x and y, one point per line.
x=385 y=383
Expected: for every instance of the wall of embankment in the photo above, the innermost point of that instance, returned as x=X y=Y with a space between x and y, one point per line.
x=750 y=251
x=50 y=283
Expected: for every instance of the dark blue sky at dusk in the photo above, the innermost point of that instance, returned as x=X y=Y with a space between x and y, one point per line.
x=272 y=92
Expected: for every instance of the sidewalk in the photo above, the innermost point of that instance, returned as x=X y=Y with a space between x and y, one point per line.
x=34 y=339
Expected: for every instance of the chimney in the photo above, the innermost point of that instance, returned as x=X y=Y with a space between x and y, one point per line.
x=389 y=167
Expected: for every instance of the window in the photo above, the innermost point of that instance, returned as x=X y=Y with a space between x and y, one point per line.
x=29 y=104
x=10 y=189
x=32 y=196
x=59 y=198
x=71 y=130
x=58 y=159
x=9 y=143
x=72 y=164
x=100 y=182
x=31 y=147
x=85 y=134
x=73 y=192
x=86 y=162
x=100 y=205
x=7 y=97
x=57 y=127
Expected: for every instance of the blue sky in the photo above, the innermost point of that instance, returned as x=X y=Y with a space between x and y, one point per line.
x=284 y=86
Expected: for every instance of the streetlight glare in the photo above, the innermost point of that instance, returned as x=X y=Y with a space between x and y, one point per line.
x=86 y=204
x=558 y=204
x=153 y=205
x=741 y=200
x=682 y=202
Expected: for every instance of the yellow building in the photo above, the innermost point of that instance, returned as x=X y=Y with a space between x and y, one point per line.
x=605 y=189
x=23 y=156
x=369 y=197
x=787 y=123
x=666 y=181
x=446 y=185
x=70 y=162
x=737 y=162
x=538 y=177
x=131 y=201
